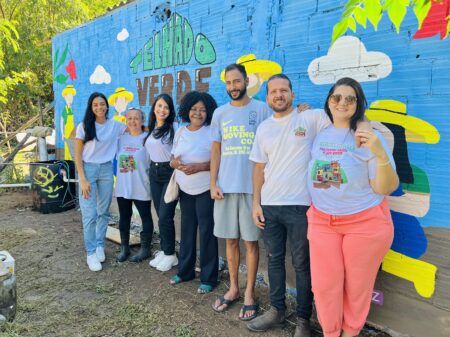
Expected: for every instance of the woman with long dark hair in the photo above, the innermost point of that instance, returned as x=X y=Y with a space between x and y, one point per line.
x=191 y=155
x=95 y=148
x=349 y=224
x=159 y=146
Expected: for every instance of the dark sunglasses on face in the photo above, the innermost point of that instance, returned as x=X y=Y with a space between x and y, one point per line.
x=336 y=98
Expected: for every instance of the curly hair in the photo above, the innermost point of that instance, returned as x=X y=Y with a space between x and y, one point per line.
x=192 y=98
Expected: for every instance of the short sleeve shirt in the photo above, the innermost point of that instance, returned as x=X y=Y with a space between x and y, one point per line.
x=104 y=148
x=284 y=145
x=235 y=128
x=339 y=173
x=133 y=163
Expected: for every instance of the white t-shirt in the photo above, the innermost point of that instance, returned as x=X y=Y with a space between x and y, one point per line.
x=103 y=149
x=284 y=145
x=133 y=163
x=159 y=149
x=235 y=127
x=339 y=173
x=193 y=147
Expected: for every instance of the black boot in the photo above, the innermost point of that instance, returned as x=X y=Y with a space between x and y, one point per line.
x=144 y=251
x=124 y=247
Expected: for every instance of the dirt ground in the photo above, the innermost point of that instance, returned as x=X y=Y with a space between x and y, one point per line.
x=59 y=296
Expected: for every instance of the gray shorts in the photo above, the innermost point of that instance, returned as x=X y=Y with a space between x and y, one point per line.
x=233 y=217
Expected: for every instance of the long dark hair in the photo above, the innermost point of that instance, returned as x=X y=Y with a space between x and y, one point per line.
x=89 y=117
x=361 y=102
x=165 y=132
x=192 y=98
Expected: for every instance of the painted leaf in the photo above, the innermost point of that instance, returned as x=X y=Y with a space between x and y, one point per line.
x=351 y=23
x=63 y=57
x=421 y=10
x=61 y=79
x=360 y=16
x=352 y=3
x=339 y=29
x=55 y=59
x=397 y=12
x=374 y=12
x=348 y=11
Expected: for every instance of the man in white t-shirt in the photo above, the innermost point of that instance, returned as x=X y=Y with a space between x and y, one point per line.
x=281 y=153
x=233 y=129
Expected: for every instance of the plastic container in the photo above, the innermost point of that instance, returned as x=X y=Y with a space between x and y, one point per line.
x=50 y=193
x=8 y=297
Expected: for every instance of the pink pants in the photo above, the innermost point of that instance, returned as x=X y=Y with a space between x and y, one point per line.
x=346 y=252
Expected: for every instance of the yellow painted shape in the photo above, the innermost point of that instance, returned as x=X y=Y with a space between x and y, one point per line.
x=422 y=274
x=121 y=119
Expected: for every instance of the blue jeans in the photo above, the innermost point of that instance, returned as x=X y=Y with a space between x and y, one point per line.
x=282 y=223
x=95 y=209
x=160 y=174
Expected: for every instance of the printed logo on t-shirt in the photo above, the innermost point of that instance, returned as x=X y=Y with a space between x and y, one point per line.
x=127 y=163
x=300 y=132
x=244 y=137
x=325 y=174
x=252 y=118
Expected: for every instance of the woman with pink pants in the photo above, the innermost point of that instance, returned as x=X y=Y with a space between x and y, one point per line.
x=350 y=226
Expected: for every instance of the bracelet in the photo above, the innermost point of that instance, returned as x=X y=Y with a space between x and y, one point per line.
x=385 y=163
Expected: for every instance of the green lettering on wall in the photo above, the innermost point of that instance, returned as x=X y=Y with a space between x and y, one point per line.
x=188 y=42
x=148 y=56
x=204 y=50
x=167 y=44
x=178 y=41
x=136 y=61
x=157 y=52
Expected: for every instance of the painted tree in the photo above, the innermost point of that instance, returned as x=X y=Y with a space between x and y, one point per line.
x=433 y=16
x=26 y=74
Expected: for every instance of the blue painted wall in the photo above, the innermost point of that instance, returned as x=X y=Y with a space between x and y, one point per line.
x=292 y=34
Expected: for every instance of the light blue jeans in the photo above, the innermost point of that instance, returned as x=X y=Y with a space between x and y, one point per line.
x=95 y=209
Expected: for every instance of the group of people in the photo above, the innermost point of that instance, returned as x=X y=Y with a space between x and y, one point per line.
x=249 y=170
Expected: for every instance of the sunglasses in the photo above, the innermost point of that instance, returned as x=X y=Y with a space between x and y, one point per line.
x=336 y=98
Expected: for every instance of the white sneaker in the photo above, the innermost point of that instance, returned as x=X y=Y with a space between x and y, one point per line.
x=100 y=252
x=167 y=262
x=93 y=263
x=157 y=259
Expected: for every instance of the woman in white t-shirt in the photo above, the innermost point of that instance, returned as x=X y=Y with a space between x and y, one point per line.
x=350 y=226
x=133 y=186
x=159 y=146
x=191 y=155
x=95 y=148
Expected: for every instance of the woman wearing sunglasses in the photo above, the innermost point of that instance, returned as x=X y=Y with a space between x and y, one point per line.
x=350 y=226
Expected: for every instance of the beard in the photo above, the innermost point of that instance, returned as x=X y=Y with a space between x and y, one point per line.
x=242 y=93
x=285 y=107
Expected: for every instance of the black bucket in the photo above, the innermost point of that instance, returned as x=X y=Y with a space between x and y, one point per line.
x=50 y=193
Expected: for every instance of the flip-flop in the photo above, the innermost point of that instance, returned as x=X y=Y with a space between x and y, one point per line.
x=250 y=307
x=204 y=288
x=223 y=301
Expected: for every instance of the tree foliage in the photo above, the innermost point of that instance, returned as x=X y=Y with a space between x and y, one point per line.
x=358 y=12
x=26 y=30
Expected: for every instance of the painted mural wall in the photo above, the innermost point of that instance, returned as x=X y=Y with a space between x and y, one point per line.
x=398 y=49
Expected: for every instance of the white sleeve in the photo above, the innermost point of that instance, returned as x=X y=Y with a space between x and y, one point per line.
x=321 y=119
x=80 y=134
x=257 y=154
x=176 y=138
x=214 y=129
x=373 y=161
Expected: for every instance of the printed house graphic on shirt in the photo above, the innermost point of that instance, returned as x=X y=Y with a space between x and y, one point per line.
x=127 y=163
x=327 y=173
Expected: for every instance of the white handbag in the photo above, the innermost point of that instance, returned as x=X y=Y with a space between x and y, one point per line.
x=173 y=190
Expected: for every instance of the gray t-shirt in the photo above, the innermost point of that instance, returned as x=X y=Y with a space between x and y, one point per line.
x=235 y=128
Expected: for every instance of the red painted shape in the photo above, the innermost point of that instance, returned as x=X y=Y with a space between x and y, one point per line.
x=71 y=70
x=436 y=20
